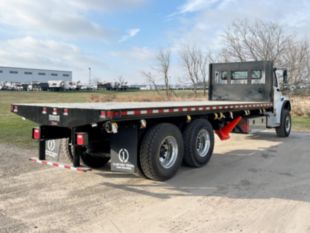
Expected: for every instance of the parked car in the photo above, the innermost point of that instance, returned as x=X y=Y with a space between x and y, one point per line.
x=70 y=86
x=43 y=86
x=56 y=85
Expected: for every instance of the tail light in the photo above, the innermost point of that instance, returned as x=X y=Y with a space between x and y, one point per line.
x=36 y=134
x=14 y=108
x=81 y=139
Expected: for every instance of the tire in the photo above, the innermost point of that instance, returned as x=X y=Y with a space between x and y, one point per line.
x=199 y=131
x=161 y=152
x=93 y=161
x=67 y=150
x=284 y=129
x=88 y=159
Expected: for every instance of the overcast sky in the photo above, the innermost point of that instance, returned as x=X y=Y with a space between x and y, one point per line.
x=121 y=37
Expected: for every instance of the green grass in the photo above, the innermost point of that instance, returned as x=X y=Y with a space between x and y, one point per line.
x=301 y=123
x=17 y=132
x=14 y=130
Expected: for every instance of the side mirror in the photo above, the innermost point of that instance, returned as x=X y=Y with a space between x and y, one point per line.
x=285 y=78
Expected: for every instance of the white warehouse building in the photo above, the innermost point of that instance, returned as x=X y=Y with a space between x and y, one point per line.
x=27 y=76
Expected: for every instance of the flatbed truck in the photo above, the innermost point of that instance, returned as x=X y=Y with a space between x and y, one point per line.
x=155 y=138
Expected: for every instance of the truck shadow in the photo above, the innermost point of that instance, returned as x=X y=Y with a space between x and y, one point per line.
x=270 y=172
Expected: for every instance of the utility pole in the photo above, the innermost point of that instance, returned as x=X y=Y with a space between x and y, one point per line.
x=89 y=69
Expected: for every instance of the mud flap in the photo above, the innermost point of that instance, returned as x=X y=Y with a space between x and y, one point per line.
x=52 y=149
x=124 y=147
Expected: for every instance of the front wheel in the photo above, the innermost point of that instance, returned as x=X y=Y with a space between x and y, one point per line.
x=284 y=129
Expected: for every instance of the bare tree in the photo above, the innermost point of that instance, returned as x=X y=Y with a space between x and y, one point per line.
x=195 y=64
x=151 y=80
x=257 y=41
x=163 y=66
x=297 y=59
x=203 y=68
x=121 y=80
x=120 y=83
x=244 y=41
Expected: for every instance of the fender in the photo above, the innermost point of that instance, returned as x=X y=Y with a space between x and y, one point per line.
x=274 y=118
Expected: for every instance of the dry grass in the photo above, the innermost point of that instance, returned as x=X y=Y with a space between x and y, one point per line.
x=300 y=105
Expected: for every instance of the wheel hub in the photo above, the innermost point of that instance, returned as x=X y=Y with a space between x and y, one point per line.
x=203 y=142
x=287 y=124
x=168 y=152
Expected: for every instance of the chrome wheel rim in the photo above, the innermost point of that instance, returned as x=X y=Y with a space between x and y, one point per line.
x=287 y=124
x=203 y=143
x=168 y=152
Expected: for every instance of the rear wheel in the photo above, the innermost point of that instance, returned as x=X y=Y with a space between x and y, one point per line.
x=67 y=149
x=88 y=159
x=161 y=152
x=284 y=129
x=93 y=161
x=199 y=138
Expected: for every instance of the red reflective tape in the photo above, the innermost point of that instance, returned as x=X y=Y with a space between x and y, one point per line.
x=66 y=112
x=137 y=112
x=44 y=110
x=59 y=165
x=106 y=114
x=103 y=114
x=109 y=114
x=117 y=114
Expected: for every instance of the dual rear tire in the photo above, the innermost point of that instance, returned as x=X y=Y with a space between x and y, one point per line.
x=164 y=147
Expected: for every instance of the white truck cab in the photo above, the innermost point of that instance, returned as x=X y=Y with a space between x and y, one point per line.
x=280 y=117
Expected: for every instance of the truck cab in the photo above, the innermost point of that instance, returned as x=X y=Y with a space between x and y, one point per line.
x=280 y=118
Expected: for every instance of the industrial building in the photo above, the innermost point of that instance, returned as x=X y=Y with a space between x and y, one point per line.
x=27 y=76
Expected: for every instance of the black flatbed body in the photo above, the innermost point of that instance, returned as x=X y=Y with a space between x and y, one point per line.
x=78 y=114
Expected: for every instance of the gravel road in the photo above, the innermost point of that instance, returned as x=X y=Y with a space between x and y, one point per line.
x=254 y=183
